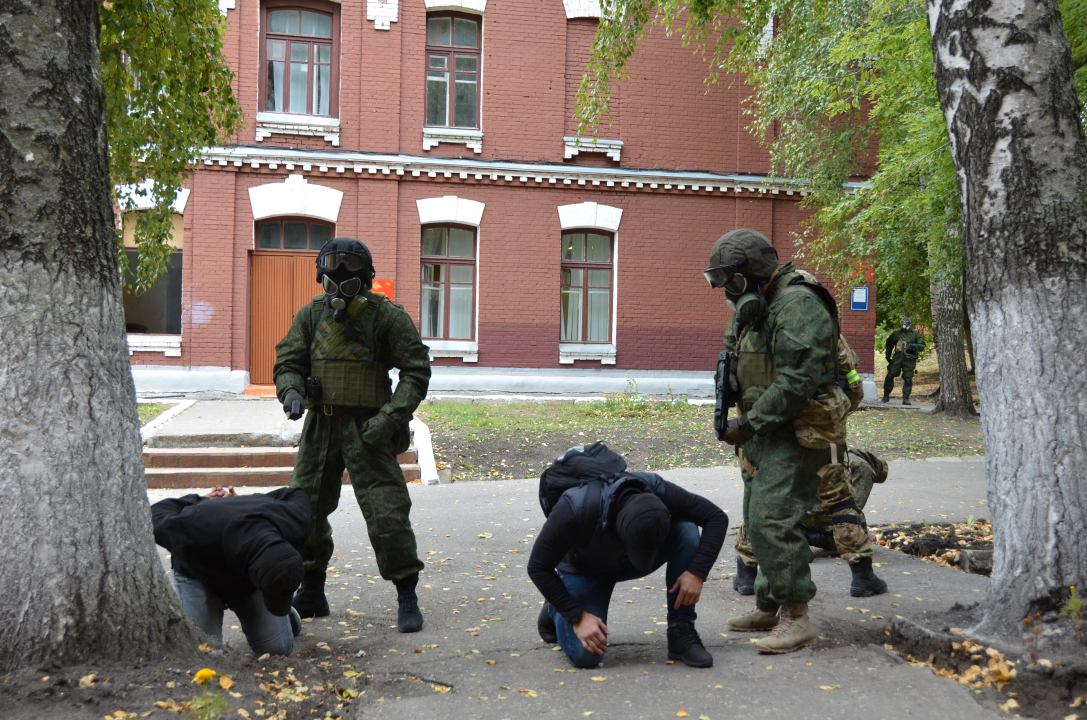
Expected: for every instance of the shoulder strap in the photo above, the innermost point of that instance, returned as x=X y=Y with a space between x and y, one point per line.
x=590 y=523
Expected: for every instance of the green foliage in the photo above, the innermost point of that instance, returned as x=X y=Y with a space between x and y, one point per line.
x=831 y=76
x=207 y=706
x=1072 y=608
x=168 y=95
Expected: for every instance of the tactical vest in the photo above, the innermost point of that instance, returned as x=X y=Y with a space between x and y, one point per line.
x=755 y=368
x=347 y=369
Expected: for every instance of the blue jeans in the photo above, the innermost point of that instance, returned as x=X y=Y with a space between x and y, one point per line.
x=266 y=633
x=593 y=592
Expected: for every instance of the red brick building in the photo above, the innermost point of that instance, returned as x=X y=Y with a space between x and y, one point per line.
x=441 y=133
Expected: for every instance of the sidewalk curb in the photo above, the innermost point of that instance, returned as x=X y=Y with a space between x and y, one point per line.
x=147 y=431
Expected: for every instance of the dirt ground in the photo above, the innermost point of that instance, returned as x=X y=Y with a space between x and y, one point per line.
x=926 y=379
x=515 y=440
x=941 y=543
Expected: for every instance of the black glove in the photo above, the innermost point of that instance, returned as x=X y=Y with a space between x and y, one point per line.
x=739 y=431
x=293 y=404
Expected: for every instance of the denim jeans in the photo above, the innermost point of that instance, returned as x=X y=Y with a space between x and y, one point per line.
x=266 y=633
x=593 y=592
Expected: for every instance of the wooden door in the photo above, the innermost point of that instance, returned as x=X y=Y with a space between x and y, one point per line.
x=282 y=283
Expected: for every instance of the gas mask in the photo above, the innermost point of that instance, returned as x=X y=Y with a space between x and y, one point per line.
x=341 y=294
x=749 y=307
x=906 y=324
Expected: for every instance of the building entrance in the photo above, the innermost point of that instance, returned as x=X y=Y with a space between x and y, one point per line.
x=281 y=284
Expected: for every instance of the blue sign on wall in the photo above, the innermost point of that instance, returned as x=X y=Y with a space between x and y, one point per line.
x=858 y=300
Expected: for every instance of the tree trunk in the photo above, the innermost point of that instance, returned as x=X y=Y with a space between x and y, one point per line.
x=1004 y=75
x=954 y=397
x=966 y=331
x=80 y=579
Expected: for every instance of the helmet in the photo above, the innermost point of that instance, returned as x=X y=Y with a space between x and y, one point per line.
x=744 y=251
x=344 y=258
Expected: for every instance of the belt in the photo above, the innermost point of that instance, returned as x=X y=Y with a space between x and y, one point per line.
x=343 y=410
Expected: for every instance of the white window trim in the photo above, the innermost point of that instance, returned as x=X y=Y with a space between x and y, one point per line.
x=581 y=8
x=591 y=215
x=295 y=196
x=450 y=209
x=468 y=6
x=269 y=123
x=569 y=352
x=454 y=136
x=466 y=350
x=168 y=345
x=575 y=145
x=383 y=12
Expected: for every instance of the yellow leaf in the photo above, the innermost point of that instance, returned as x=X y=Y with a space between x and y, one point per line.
x=682 y=713
x=225 y=683
x=531 y=693
x=587 y=714
x=171 y=685
x=235 y=695
x=703 y=717
x=204 y=647
x=243 y=712
x=350 y=674
x=489 y=662
x=441 y=688
x=718 y=687
x=87 y=681
x=599 y=678
x=829 y=687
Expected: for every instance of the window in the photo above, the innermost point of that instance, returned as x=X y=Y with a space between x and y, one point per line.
x=156 y=310
x=292 y=235
x=300 y=55
x=586 y=287
x=452 y=70
x=448 y=282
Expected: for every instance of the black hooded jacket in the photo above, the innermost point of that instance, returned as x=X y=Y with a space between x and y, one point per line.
x=228 y=543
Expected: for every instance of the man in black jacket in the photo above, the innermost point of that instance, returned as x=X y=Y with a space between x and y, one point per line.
x=636 y=524
x=240 y=552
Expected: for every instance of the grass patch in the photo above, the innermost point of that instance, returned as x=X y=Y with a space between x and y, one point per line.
x=480 y=441
x=150 y=411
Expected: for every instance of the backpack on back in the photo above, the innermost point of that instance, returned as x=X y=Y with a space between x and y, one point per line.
x=578 y=466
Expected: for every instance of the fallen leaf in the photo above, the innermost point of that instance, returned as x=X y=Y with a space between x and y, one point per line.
x=1078 y=702
x=441 y=688
x=243 y=712
x=235 y=694
x=171 y=685
x=350 y=674
x=587 y=714
x=490 y=662
x=682 y=713
x=204 y=647
x=1010 y=705
x=485 y=536
x=703 y=717
x=349 y=693
x=225 y=682
x=829 y=687
x=88 y=681
x=599 y=678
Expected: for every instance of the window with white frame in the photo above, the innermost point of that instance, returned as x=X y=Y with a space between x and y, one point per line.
x=586 y=286
x=300 y=57
x=448 y=282
x=452 y=70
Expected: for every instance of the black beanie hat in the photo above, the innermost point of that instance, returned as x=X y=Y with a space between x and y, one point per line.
x=278 y=576
x=642 y=523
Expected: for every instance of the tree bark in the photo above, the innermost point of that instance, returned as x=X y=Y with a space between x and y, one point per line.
x=1004 y=75
x=80 y=579
x=954 y=396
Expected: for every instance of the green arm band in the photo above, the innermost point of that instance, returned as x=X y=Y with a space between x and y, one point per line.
x=852 y=376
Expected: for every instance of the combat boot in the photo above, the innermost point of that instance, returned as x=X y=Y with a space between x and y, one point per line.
x=744 y=582
x=684 y=644
x=793 y=631
x=409 y=618
x=865 y=582
x=886 y=397
x=310 y=600
x=757 y=621
x=545 y=625
x=906 y=401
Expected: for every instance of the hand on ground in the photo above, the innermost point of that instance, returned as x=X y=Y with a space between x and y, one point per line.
x=689 y=587
x=219 y=492
x=592 y=632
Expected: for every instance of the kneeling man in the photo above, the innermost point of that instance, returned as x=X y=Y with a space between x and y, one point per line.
x=606 y=526
x=240 y=552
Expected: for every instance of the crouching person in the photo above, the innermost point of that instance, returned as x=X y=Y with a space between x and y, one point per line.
x=239 y=552
x=605 y=526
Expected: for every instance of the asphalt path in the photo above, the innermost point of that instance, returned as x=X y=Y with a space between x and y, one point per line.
x=480 y=637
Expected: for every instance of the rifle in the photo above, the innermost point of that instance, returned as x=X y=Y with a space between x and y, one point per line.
x=726 y=393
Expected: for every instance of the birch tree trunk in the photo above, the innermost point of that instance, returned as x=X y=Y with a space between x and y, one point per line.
x=1004 y=75
x=80 y=578
x=955 y=398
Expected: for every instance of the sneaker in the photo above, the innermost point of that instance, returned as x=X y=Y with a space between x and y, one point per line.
x=865 y=582
x=793 y=631
x=684 y=644
x=757 y=621
x=545 y=625
x=744 y=582
x=296 y=622
x=310 y=600
x=409 y=618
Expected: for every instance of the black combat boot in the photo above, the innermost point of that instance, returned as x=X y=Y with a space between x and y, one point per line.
x=409 y=618
x=545 y=625
x=744 y=582
x=907 y=390
x=865 y=582
x=684 y=644
x=310 y=600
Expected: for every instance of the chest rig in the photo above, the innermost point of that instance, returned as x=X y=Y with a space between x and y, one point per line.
x=343 y=356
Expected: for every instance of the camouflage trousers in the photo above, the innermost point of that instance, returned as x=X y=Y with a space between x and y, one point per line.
x=842 y=495
x=899 y=365
x=329 y=444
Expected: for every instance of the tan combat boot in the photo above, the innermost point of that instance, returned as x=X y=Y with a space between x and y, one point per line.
x=793 y=631
x=757 y=621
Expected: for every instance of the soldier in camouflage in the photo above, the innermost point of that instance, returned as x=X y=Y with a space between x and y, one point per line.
x=785 y=327
x=335 y=361
x=904 y=346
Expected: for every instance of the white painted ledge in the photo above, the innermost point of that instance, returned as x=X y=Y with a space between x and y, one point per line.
x=455 y=136
x=466 y=350
x=428 y=469
x=295 y=196
x=581 y=8
x=569 y=352
x=168 y=345
x=383 y=12
x=470 y=6
x=270 y=123
x=575 y=145
x=590 y=215
x=151 y=379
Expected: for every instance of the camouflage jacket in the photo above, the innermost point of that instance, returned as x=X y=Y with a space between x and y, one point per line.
x=397 y=346
x=900 y=338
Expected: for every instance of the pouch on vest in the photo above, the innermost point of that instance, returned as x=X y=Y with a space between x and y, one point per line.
x=755 y=369
x=822 y=421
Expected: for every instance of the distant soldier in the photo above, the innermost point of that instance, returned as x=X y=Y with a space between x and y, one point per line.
x=836 y=522
x=904 y=346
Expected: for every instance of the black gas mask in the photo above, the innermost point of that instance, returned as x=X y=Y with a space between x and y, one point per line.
x=345 y=269
x=906 y=324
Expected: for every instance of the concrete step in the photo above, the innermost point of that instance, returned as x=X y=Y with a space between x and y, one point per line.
x=207 y=477
x=248 y=457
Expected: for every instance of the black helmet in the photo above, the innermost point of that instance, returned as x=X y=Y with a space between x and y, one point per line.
x=744 y=251
x=344 y=257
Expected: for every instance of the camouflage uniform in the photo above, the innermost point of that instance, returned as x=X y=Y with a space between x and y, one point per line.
x=361 y=438
x=898 y=344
